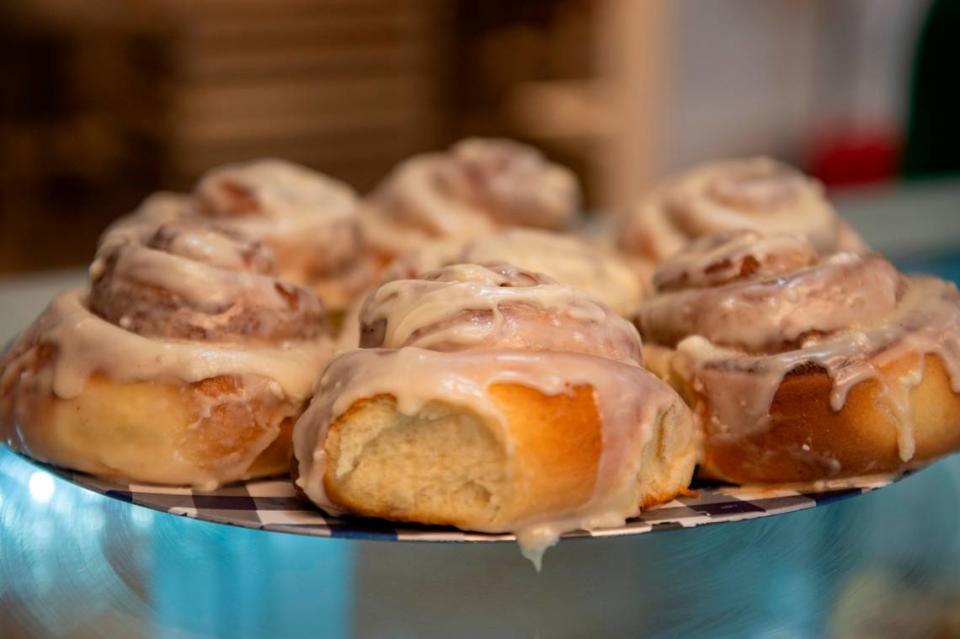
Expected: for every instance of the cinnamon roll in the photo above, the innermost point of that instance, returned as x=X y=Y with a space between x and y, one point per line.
x=186 y=361
x=802 y=367
x=757 y=194
x=566 y=258
x=310 y=221
x=476 y=186
x=492 y=398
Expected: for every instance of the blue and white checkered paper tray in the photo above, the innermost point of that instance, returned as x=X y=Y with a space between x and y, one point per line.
x=274 y=505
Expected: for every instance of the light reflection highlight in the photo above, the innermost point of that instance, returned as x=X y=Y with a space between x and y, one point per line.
x=41 y=486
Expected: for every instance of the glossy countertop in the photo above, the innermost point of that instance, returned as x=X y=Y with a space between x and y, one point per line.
x=887 y=564
x=76 y=564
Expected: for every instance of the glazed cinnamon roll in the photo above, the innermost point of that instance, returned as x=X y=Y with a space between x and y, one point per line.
x=476 y=186
x=566 y=258
x=310 y=221
x=493 y=399
x=185 y=362
x=756 y=194
x=802 y=367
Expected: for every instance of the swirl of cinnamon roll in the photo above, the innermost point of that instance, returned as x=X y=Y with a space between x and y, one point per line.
x=310 y=222
x=565 y=258
x=756 y=194
x=476 y=186
x=805 y=367
x=471 y=306
x=786 y=300
x=185 y=362
x=493 y=399
x=193 y=282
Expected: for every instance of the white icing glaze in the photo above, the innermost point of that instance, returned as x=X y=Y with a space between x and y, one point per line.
x=263 y=199
x=756 y=194
x=475 y=186
x=87 y=344
x=565 y=258
x=762 y=314
x=515 y=183
x=721 y=258
x=492 y=324
x=183 y=280
x=207 y=285
x=272 y=188
x=309 y=220
x=411 y=206
x=174 y=301
x=429 y=255
x=629 y=398
x=853 y=316
x=741 y=387
x=156 y=210
x=472 y=306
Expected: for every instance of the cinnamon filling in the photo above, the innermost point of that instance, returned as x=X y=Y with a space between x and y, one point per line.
x=846 y=315
x=200 y=283
x=459 y=331
x=756 y=194
x=469 y=306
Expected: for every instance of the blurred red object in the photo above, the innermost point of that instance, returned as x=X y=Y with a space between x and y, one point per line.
x=850 y=156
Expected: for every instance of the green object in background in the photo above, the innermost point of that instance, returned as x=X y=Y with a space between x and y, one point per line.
x=933 y=129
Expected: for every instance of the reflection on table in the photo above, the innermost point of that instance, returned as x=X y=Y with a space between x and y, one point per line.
x=74 y=563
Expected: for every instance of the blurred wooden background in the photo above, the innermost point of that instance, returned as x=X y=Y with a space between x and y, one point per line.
x=107 y=100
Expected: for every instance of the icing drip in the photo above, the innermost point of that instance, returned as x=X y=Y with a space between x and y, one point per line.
x=310 y=221
x=853 y=317
x=763 y=314
x=274 y=189
x=287 y=206
x=459 y=330
x=173 y=301
x=215 y=247
x=416 y=376
x=87 y=344
x=475 y=186
x=755 y=194
x=567 y=259
x=514 y=183
x=199 y=283
x=472 y=306
x=722 y=258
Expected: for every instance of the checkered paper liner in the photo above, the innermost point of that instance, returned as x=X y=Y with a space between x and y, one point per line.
x=275 y=505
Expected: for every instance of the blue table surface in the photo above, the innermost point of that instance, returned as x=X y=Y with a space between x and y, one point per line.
x=76 y=564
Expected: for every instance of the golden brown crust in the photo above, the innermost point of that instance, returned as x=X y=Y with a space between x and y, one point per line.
x=211 y=432
x=551 y=465
x=186 y=362
x=559 y=440
x=802 y=368
x=807 y=440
